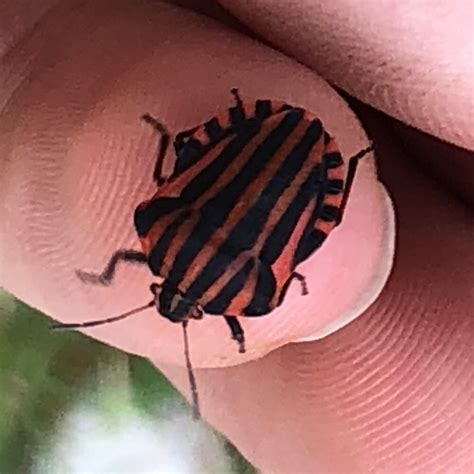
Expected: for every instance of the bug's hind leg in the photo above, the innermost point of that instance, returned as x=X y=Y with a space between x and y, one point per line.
x=294 y=276
x=237 y=331
x=163 y=146
x=352 y=168
x=104 y=278
x=302 y=279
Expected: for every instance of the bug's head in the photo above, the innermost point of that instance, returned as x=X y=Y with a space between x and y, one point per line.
x=173 y=305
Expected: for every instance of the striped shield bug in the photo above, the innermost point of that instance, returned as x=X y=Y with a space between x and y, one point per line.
x=254 y=192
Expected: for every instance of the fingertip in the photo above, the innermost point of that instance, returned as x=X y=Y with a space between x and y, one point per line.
x=99 y=164
x=383 y=256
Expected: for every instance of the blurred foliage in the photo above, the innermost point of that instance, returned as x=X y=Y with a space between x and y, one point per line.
x=44 y=373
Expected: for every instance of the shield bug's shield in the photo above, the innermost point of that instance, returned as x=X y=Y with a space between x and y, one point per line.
x=254 y=192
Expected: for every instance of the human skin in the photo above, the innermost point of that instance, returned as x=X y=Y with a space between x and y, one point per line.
x=389 y=392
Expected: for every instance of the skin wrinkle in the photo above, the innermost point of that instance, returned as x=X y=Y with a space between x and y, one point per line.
x=391 y=392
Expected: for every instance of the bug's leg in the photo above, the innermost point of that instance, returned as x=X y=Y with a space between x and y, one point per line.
x=104 y=278
x=164 y=142
x=352 y=168
x=294 y=276
x=237 y=331
x=302 y=279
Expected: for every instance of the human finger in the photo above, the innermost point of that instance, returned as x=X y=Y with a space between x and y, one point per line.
x=78 y=161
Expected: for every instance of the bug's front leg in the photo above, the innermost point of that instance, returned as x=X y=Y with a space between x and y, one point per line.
x=163 y=146
x=104 y=278
x=237 y=331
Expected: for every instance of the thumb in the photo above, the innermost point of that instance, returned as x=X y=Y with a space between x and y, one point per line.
x=79 y=161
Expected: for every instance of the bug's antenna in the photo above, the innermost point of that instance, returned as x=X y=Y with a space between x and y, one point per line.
x=99 y=322
x=192 y=379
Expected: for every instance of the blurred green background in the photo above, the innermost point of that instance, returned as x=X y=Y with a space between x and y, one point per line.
x=69 y=404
